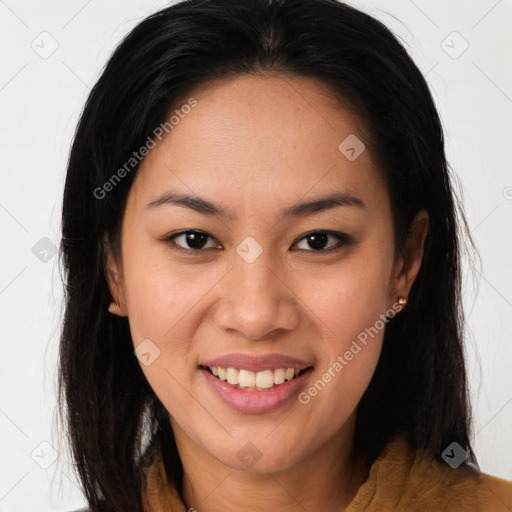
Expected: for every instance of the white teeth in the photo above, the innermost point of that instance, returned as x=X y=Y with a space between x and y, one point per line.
x=279 y=375
x=232 y=375
x=265 y=379
x=246 y=379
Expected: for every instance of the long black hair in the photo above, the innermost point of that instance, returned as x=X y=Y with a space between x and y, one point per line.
x=419 y=386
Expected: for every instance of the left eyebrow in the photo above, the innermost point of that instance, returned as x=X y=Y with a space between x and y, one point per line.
x=300 y=209
x=323 y=203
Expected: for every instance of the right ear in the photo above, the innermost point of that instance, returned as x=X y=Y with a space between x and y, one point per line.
x=114 y=274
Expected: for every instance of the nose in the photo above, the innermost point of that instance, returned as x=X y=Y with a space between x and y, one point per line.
x=256 y=300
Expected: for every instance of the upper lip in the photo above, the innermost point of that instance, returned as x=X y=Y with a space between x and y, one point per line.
x=257 y=363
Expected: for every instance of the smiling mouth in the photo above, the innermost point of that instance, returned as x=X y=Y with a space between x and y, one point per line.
x=255 y=381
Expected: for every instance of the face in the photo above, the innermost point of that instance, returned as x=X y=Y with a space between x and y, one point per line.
x=260 y=272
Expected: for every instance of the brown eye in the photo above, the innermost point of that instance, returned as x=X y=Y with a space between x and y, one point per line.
x=321 y=241
x=191 y=241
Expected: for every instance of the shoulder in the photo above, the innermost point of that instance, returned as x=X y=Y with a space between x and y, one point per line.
x=404 y=479
x=458 y=490
x=487 y=492
x=445 y=488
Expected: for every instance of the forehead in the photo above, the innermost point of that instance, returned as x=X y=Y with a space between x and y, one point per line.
x=255 y=137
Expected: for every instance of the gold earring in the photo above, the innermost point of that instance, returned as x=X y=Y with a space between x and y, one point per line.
x=111 y=306
x=402 y=301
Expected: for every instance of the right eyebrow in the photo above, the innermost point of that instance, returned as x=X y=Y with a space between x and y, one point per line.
x=198 y=204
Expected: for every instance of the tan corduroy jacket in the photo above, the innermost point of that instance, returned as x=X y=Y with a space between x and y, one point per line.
x=400 y=480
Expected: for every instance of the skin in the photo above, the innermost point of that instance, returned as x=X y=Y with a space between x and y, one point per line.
x=255 y=145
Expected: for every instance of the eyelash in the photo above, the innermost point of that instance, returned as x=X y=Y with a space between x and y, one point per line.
x=343 y=240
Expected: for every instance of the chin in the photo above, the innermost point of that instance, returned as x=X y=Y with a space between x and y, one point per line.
x=258 y=463
x=261 y=455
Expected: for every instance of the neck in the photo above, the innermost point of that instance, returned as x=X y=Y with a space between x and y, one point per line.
x=324 y=480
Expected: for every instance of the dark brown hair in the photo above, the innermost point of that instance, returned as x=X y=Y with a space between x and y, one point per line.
x=419 y=387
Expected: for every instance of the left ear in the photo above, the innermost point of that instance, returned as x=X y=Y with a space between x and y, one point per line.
x=409 y=263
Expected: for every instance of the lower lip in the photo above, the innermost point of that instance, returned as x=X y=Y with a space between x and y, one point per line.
x=256 y=401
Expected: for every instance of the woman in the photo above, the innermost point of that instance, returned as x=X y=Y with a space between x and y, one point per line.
x=262 y=272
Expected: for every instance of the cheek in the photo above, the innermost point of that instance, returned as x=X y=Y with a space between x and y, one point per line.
x=159 y=298
x=349 y=303
x=161 y=294
x=163 y=300
x=350 y=347
x=350 y=298
x=349 y=351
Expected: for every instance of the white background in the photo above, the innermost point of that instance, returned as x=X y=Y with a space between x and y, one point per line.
x=40 y=103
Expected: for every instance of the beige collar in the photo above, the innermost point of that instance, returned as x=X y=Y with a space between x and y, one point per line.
x=399 y=480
